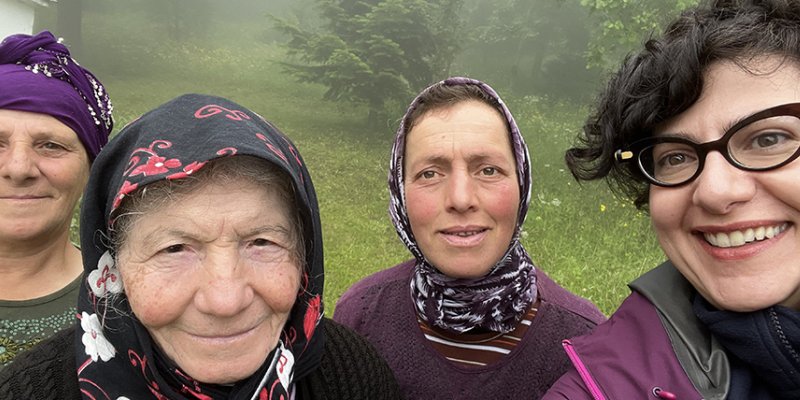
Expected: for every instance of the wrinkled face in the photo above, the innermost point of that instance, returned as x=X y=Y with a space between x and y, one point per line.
x=733 y=233
x=461 y=188
x=211 y=276
x=43 y=170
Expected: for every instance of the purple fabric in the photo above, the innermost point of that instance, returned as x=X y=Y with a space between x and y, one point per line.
x=38 y=75
x=379 y=308
x=496 y=301
x=628 y=356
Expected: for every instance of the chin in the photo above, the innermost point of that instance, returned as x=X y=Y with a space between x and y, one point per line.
x=743 y=303
x=223 y=377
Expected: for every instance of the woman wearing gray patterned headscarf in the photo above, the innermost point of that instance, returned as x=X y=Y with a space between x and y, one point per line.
x=470 y=316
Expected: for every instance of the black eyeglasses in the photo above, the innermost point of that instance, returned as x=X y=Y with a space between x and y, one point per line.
x=766 y=140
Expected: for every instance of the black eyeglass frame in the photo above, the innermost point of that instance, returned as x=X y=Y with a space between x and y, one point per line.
x=702 y=149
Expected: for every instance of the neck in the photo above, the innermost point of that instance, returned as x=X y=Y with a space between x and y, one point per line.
x=32 y=270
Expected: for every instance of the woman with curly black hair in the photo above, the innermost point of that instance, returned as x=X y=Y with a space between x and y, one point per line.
x=702 y=128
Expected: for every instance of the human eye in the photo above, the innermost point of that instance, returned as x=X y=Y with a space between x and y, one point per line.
x=174 y=248
x=266 y=250
x=670 y=160
x=52 y=148
x=261 y=242
x=427 y=174
x=489 y=171
x=766 y=140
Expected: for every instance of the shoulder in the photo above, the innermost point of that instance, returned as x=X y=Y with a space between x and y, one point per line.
x=398 y=273
x=566 y=301
x=617 y=358
x=45 y=371
x=363 y=296
x=351 y=368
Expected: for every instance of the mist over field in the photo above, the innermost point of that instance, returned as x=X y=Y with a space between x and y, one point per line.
x=336 y=76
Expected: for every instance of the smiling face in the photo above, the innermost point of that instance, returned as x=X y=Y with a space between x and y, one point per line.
x=461 y=188
x=733 y=234
x=43 y=170
x=212 y=276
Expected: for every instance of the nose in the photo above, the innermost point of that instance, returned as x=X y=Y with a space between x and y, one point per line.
x=18 y=163
x=226 y=290
x=461 y=196
x=721 y=186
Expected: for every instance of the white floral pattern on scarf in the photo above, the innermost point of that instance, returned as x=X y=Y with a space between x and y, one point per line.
x=96 y=345
x=106 y=278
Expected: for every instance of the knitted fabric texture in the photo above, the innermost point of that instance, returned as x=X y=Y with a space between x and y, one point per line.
x=380 y=309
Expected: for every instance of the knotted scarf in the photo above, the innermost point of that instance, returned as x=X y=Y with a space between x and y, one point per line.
x=495 y=301
x=38 y=75
x=764 y=345
x=116 y=356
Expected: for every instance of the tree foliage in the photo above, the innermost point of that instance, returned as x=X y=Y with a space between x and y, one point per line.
x=529 y=47
x=622 y=25
x=374 y=51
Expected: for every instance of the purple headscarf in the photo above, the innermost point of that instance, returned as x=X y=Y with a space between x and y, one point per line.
x=496 y=301
x=38 y=75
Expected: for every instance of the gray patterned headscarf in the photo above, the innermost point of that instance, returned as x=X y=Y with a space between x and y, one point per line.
x=496 y=301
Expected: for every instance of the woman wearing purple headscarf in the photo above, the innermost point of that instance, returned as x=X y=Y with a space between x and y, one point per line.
x=470 y=317
x=54 y=118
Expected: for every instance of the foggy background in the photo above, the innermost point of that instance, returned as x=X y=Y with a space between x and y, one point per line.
x=336 y=76
x=375 y=52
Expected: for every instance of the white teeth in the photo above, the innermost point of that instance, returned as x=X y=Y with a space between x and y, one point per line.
x=737 y=238
x=740 y=238
x=465 y=234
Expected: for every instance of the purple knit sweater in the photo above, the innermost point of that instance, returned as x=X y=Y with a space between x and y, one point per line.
x=380 y=308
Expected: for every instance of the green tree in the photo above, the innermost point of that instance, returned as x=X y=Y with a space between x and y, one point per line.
x=529 y=46
x=374 y=51
x=622 y=25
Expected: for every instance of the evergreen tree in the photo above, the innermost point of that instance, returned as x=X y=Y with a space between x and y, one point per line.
x=375 y=51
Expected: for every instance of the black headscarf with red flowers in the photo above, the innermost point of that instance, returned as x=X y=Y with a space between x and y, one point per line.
x=116 y=357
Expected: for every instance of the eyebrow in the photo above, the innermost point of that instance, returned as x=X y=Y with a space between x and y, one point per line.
x=180 y=233
x=471 y=159
x=725 y=128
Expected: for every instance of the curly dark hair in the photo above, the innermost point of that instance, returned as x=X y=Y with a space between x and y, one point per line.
x=666 y=77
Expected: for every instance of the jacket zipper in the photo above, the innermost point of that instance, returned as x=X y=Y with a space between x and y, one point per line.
x=590 y=383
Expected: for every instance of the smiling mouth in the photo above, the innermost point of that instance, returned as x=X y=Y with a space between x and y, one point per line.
x=743 y=237
x=465 y=233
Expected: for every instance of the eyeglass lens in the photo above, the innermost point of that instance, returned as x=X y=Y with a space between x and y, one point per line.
x=760 y=145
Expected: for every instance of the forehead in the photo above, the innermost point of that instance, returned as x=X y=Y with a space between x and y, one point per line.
x=469 y=124
x=731 y=93
x=33 y=123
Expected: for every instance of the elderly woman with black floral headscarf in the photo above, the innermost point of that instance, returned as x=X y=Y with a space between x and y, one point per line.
x=54 y=118
x=203 y=274
x=470 y=317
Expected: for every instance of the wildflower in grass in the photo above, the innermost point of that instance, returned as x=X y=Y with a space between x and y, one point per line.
x=602 y=208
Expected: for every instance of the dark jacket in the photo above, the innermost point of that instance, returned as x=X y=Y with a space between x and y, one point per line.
x=652 y=347
x=350 y=369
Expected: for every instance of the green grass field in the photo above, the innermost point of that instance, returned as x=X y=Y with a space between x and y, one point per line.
x=581 y=235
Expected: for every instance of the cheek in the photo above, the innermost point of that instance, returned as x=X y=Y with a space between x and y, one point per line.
x=71 y=176
x=667 y=209
x=503 y=204
x=782 y=184
x=156 y=300
x=421 y=206
x=279 y=289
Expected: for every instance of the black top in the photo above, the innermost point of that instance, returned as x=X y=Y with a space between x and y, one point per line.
x=350 y=369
